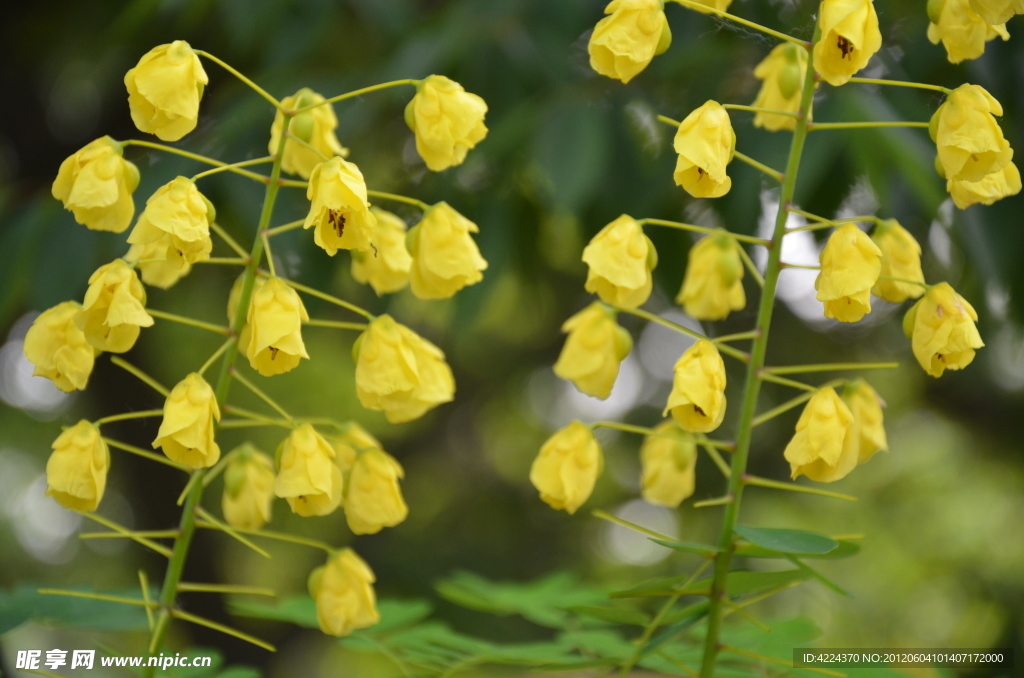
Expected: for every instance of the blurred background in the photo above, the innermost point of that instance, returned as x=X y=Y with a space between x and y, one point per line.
x=943 y=557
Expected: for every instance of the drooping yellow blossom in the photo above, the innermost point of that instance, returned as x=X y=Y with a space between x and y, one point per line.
x=713 y=283
x=997 y=12
x=373 y=498
x=962 y=31
x=339 y=211
x=343 y=591
x=306 y=475
x=992 y=187
x=272 y=338
x=164 y=90
x=826 y=445
x=970 y=142
x=349 y=444
x=386 y=268
x=942 y=331
x=625 y=41
x=782 y=75
x=96 y=185
x=399 y=372
x=160 y=262
x=866 y=407
x=850 y=265
x=248 y=489
x=447 y=121
x=901 y=258
x=697 y=400
x=595 y=347
x=315 y=126
x=567 y=467
x=186 y=432
x=57 y=348
x=236 y=293
x=114 y=308
x=76 y=473
x=706 y=143
x=667 y=463
x=849 y=38
x=620 y=260
x=445 y=257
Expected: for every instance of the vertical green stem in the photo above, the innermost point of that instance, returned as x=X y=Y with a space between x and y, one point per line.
x=752 y=386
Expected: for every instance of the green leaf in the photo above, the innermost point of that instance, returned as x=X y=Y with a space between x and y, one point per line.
x=797 y=542
x=660 y=586
x=681 y=620
x=601 y=642
x=24 y=603
x=820 y=577
x=615 y=615
x=687 y=546
x=844 y=550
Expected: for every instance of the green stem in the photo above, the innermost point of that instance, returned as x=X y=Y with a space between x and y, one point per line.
x=173 y=317
x=399 y=198
x=195 y=619
x=901 y=83
x=793 y=487
x=227 y=588
x=738 y=336
x=358 y=92
x=704 y=229
x=861 y=125
x=226 y=261
x=768 y=376
x=231 y=167
x=291 y=225
x=152 y=456
x=144 y=585
x=327 y=297
x=756 y=109
x=604 y=515
x=774 y=174
x=195 y=156
x=704 y=9
x=95 y=596
x=828 y=367
x=231 y=242
x=651 y=317
x=141 y=414
x=717 y=501
x=258 y=392
x=140 y=375
x=120 y=529
x=259 y=90
x=749 y=264
x=218 y=353
x=336 y=324
x=278 y=536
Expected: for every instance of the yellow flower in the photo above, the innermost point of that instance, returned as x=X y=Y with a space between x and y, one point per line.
x=272 y=339
x=941 y=330
x=58 y=349
x=236 y=292
x=339 y=210
x=782 y=73
x=399 y=372
x=866 y=408
x=306 y=476
x=114 y=308
x=624 y=42
x=445 y=257
x=850 y=265
x=248 y=489
x=712 y=286
x=667 y=466
x=96 y=185
x=164 y=90
x=992 y=187
x=76 y=473
x=353 y=441
x=447 y=120
x=386 y=269
x=697 y=400
x=849 y=38
x=970 y=142
x=706 y=143
x=161 y=263
x=567 y=467
x=901 y=258
x=373 y=499
x=997 y=12
x=593 y=350
x=826 y=445
x=343 y=591
x=620 y=260
x=315 y=127
x=186 y=432
x=963 y=33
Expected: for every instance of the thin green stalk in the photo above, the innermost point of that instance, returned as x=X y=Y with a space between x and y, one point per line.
x=665 y=322
x=270 y=254
x=152 y=545
x=358 y=92
x=302 y=142
x=645 y=431
x=152 y=456
x=754 y=240
x=291 y=225
x=95 y=596
x=130 y=534
x=277 y=536
x=195 y=478
x=140 y=375
x=901 y=83
x=219 y=467
x=861 y=125
x=705 y=9
x=793 y=487
x=773 y=173
x=738 y=336
x=226 y=261
x=228 y=168
x=717 y=501
x=231 y=242
x=144 y=585
x=717 y=459
x=399 y=198
x=228 y=530
x=195 y=156
x=828 y=367
x=756 y=109
x=336 y=324
x=218 y=353
x=749 y=264
x=141 y=414
x=201 y=621
x=259 y=90
x=768 y=376
x=604 y=515
x=227 y=588
x=781 y=409
x=332 y=299
x=174 y=317
x=258 y=392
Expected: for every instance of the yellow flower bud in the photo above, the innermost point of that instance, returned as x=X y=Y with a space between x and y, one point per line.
x=343 y=591
x=96 y=185
x=997 y=12
x=941 y=330
x=901 y=258
x=992 y=187
x=624 y=42
x=697 y=400
x=114 y=308
x=963 y=33
x=970 y=142
x=667 y=466
x=706 y=143
x=620 y=260
x=306 y=476
x=567 y=467
x=782 y=73
x=273 y=336
x=339 y=210
x=315 y=126
x=866 y=408
x=350 y=444
x=399 y=372
x=849 y=38
x=387 y=267
x=447 y=120
x=186 y=432
x=164 y=90
x=373 y=499
x=595 y=347
x=850 y=265
x=248 y=489
x=58 y=349
x=712 y=286
x=826 y=445
x=161 y=263
x=76 y=473
x=445 y=257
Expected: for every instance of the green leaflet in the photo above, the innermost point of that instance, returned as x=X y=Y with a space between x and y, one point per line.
x=24 y=603
x=795 y=542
